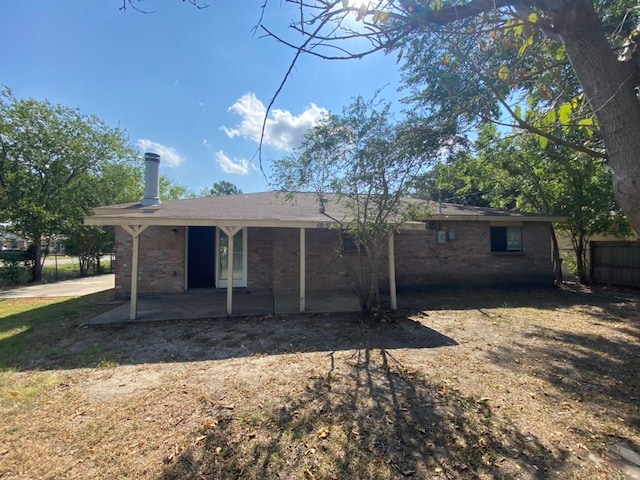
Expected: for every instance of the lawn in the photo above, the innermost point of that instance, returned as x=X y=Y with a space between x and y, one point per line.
x=62 y=268
x=520 y=384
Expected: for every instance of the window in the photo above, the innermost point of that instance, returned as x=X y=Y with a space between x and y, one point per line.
x=506 y=239
x=239 y=271
x=350 y=244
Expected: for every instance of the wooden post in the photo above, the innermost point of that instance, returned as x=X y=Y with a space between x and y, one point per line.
x=133 y=313
x=230 y=232
x=392 y=272
x=134 y=231
x=303 y=268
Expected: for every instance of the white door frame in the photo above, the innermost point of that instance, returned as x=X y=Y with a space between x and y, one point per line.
x=221 y=283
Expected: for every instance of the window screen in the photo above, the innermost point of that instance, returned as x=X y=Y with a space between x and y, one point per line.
x=506 y=239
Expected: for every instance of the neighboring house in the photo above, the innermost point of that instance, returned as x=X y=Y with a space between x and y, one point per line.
x=290 y=246
x=10 y=240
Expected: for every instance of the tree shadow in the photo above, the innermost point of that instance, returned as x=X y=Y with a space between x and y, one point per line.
x=591 y=368
x=368 y=416
x=605 y=303
x=43 y=331
x=48 y=338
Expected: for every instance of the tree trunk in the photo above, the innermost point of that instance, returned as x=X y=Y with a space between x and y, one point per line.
x=610 y=87
x=556 y=260
x=581 y=257
x=37 y=259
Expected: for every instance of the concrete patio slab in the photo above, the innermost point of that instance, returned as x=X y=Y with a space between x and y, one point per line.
x=202 y=304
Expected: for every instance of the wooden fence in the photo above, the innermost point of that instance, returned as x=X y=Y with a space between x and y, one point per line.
x=615 y=263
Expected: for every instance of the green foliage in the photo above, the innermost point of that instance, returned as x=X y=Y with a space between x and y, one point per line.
x=366 y=161
x=512 y=172
x=12 y=264
x=223 y=187
x=88 y=243
x=55 y=164
x=171 y=190
x=562 y=70
x=500 y=68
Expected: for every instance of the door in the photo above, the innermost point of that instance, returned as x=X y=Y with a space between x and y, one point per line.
x=239 y=258
x=201 y=257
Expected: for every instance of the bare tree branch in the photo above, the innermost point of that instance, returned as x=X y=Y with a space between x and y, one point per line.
x=134 y=4
x=299 y=51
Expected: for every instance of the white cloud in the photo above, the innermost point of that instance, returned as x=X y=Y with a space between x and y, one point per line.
x=235 y=166
x=283 y=131
x=169 y=156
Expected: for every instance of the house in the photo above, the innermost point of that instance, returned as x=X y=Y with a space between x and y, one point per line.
x=290 y=246
x=10 y=240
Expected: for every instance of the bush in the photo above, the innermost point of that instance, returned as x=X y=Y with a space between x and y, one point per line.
x=13 y=263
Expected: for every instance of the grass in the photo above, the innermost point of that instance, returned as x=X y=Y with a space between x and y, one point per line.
x=34 y=331
x=529 y=385
x=64 y=271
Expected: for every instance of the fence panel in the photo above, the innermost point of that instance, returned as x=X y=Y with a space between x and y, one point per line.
x=616 y=263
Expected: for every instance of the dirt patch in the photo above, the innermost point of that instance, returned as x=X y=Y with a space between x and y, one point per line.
x=519 y=384
x=123 y=381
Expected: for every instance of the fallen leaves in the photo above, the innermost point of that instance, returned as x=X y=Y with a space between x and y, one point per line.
x=323 y=432
x=210 y=423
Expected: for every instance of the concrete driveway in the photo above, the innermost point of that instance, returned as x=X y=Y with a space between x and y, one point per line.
x=68 y=288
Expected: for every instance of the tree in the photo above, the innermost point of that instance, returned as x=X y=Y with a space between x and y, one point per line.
x=365 y=161
x=169 y=189
x=223 y=187
x=49 y=158
x=88 y=244
x=121 y=182
x=512 y=172
x=597 y=38
x=117 y=183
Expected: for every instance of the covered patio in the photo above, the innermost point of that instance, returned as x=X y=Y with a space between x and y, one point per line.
x=265 y=253
x=212 y=303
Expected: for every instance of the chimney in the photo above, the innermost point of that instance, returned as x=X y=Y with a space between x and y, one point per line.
x=151 y=179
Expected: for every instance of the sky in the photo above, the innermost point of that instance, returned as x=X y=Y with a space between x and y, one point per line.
x=189 y=84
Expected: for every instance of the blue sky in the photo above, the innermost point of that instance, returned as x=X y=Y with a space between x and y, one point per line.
x=189 y=84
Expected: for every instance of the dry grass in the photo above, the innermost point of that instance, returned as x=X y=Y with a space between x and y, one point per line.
x=528 y=384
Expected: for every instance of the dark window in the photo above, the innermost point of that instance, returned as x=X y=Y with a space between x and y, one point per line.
x=350 y=244
x=506 y=239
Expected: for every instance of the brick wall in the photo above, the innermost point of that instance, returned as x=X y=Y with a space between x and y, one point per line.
x=325 y=270
x=160 y=261
x=468 y=260
x=274 y=259
x=260 y=258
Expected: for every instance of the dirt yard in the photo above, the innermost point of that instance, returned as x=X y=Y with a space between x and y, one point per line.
x=530 y=384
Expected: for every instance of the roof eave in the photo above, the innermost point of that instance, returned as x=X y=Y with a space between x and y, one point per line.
x=204 y=222
x=498 y=218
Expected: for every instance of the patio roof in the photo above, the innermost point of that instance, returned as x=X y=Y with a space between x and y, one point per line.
x=274 y=209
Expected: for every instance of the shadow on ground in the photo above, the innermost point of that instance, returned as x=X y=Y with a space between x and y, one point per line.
x=66 y=346
x=369 y=418
x=48 y=337
x=40 y=335
x=610 y=302
x=592 y=368
x=365 y=415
